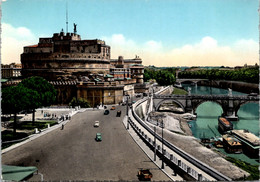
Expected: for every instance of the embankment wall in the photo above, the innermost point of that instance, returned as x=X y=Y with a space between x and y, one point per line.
x=234 y=85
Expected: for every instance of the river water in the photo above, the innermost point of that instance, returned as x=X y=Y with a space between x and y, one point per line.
x=206 y=124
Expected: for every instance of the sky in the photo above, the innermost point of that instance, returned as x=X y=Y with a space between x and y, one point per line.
x=161 y=32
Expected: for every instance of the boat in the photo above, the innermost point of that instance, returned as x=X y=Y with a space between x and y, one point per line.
x=224 y=125
x=231 y=144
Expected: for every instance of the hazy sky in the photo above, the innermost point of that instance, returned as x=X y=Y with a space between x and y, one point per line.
x=161 y=32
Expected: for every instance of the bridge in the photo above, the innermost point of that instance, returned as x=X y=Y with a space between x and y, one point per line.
x=182 y=80
x=230 y=104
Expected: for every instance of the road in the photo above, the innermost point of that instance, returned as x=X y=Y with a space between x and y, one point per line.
x=73 y=153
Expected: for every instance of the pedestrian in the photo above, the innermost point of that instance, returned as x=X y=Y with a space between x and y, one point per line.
x=62 y=126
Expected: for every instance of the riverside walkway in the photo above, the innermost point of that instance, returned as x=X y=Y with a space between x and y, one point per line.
x=174 y=156
x=196 y=169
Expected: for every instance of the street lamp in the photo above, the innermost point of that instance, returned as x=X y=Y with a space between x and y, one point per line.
x=154 y=143
x=162 y=145
x=127 y=112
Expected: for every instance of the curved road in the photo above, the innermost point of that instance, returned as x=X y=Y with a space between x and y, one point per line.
x=73 y=153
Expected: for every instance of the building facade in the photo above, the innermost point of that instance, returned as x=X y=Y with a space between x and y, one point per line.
x=82 y=68
x=11 y=70
x=65 y=57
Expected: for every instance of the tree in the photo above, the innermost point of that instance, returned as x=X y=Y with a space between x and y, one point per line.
x=16 y=99
x=47 y=93
x=83 y=103
x=162 y=76
x=165 y=78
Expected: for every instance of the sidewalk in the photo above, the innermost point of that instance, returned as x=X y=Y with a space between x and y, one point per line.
x=167 y=170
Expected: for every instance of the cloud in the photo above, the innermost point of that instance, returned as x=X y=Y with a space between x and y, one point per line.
x=206 y=52
x=13 y=41
x=120 y=46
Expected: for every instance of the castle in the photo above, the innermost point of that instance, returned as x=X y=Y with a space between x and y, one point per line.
x=83 y=68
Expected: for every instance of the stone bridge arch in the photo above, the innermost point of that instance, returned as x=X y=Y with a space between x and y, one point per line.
x=188 y=81
x=237 y=106
x=197 y=103
x=157 y=106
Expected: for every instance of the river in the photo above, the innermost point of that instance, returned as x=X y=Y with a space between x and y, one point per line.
x=206 y=123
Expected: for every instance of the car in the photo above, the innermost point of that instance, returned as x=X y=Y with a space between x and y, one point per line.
x=138 y=95
x=96 y=124
x=113 y=108
x=106 y=112
x=252 y=94
x=98 y=137
x=118 y=113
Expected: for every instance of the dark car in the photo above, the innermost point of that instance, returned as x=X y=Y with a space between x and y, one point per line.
x=98 y=137
x=106 y=112
x=118 y=113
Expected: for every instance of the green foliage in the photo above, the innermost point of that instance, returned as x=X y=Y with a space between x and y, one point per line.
x=252 y=169
x=178 y=91
x=250 y=75
x=8 y=136
x=18 y=98
x=162 y=76
x=83 y=103
x=43 y=88
x=28 y=125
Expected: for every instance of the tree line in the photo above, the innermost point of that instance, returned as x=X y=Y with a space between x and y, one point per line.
x=250 y=75
x=162 y=76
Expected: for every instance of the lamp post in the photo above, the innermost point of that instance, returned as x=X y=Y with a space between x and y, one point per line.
x=127 y=113
x=162 y=146
x=154 y=143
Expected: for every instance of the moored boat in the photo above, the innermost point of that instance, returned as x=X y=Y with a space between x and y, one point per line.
x=224 y=125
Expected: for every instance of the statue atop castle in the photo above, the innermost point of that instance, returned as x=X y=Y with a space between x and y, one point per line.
x=75 y=28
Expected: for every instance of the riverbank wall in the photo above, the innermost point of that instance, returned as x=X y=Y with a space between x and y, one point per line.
x=234 y=85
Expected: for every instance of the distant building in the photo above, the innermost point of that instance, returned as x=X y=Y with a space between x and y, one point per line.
x=82 y=68
x=11 y=70
x=127 y=69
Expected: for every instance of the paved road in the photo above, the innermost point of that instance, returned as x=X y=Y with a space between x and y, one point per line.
x=73 y=153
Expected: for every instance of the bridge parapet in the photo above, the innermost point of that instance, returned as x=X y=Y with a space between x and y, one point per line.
x=230 y=103
x=207 y=97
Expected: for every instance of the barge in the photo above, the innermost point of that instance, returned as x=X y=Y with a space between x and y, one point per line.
x=224 y=125
x=231 y=144
x=250 y=142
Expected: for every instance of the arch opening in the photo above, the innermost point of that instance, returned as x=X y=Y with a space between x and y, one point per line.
x=209 y=108
x=170 y=106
